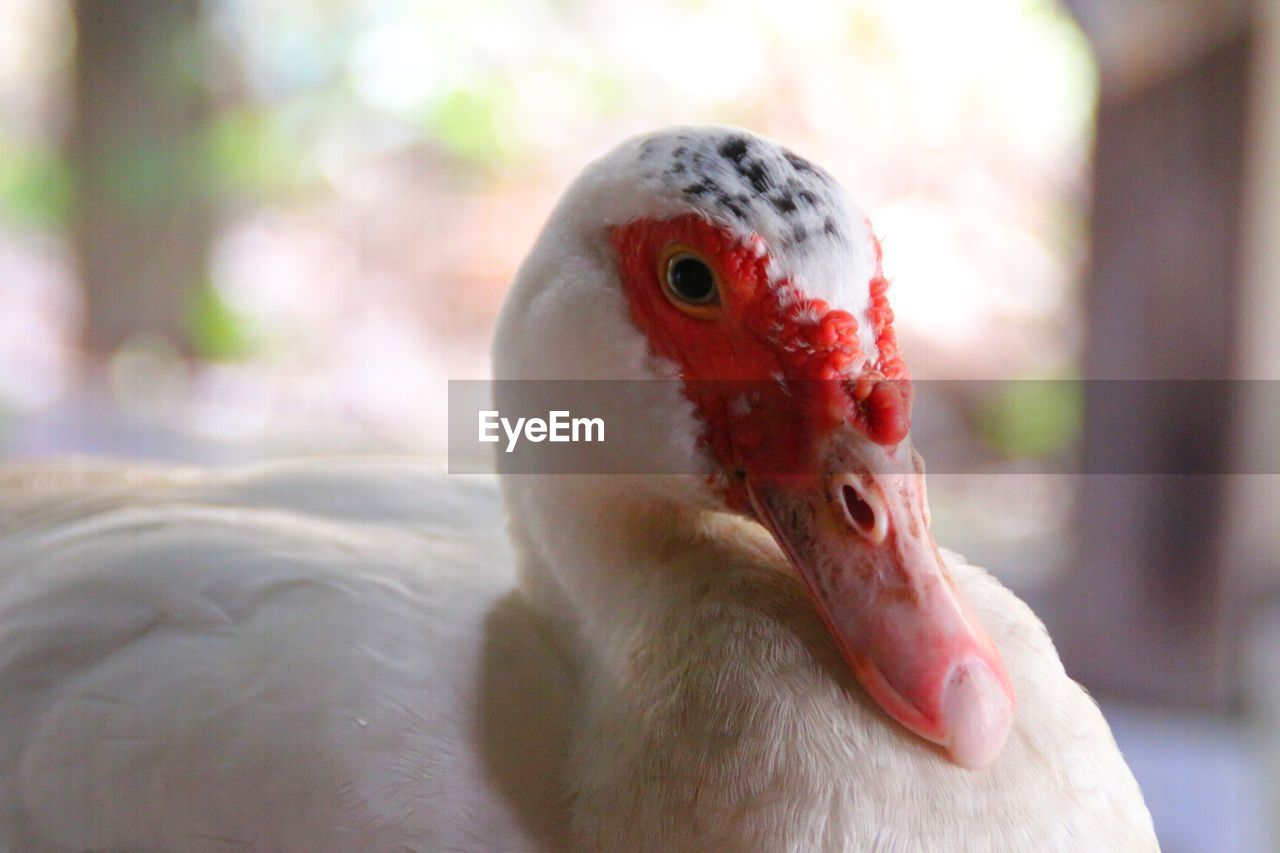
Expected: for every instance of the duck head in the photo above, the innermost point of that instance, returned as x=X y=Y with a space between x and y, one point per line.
x=741 y=274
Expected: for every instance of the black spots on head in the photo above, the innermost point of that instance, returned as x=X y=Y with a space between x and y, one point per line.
x=704 y=187
x=801 y=233
x=792 y=195
x=738 y=205
x=800 y=164
x=757 y=175
x=735 y=148
x=654 y=145
x=756 y=183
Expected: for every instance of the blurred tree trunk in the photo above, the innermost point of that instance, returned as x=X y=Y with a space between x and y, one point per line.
x=1142 y=614
x=141 y=222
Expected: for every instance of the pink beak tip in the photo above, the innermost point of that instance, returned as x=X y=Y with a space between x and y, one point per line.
x=977 y=713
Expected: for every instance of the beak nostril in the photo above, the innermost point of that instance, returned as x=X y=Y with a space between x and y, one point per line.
x=862 y=508
x=860 y=512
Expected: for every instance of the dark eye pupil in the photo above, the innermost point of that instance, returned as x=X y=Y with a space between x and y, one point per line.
x=692 y=280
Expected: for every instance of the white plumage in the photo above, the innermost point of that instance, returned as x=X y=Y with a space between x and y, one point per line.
x=342 y=656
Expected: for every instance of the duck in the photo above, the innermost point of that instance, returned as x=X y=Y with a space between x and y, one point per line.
x=728 y=627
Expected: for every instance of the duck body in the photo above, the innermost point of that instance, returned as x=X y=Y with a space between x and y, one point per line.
x=750 y=641
x=335 y=656
x=289 y=658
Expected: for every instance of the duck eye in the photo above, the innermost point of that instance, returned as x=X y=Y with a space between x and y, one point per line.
x=690 y=282
x=691 y=279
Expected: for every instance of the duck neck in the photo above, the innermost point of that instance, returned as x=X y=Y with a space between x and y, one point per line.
x=599 y=554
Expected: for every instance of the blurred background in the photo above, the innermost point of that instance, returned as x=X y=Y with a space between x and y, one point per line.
x=232 y=230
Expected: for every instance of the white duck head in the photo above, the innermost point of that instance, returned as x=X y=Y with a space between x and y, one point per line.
x=742 y=275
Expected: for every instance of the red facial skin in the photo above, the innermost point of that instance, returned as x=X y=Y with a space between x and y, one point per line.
x=794 y=416
x=764 y=332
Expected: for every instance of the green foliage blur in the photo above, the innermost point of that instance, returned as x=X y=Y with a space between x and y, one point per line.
x=370 y=172
x=1030 y=418
x=35 y=185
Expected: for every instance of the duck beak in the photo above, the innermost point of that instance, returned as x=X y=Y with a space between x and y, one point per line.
x=857 y=531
